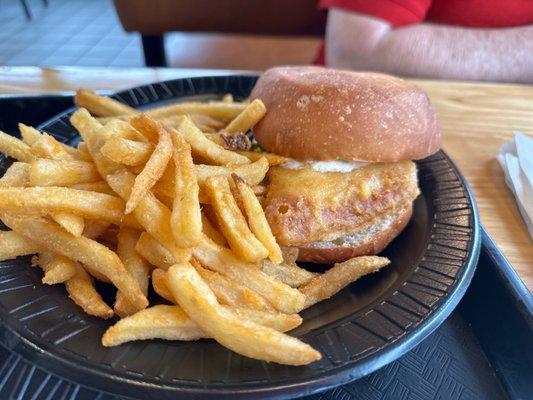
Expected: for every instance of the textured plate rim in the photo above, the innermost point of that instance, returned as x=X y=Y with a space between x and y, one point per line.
x=323 y=380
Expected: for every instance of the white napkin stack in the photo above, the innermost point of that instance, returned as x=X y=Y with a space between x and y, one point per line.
x=516 y=159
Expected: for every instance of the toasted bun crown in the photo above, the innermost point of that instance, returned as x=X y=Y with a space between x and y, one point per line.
x=315 y=113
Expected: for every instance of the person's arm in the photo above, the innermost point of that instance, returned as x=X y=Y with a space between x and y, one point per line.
x=356 y=41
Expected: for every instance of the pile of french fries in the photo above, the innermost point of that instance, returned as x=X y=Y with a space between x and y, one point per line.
x=170 y=197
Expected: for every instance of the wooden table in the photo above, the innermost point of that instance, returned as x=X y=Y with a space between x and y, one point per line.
x=477 y=118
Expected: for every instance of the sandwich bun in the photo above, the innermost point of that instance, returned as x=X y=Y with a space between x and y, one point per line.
x=316 y=113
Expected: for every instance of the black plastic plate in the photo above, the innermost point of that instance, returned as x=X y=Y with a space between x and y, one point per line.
x=367 y=325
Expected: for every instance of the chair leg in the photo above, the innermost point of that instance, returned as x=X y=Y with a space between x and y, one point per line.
x=26 y=9
x=154 y=50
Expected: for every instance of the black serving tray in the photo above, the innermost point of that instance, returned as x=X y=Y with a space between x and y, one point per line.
x=483 y=351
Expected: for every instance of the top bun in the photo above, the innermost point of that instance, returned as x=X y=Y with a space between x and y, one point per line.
x=314 y=113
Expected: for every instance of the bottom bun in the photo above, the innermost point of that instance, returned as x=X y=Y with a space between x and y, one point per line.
x=365 y=243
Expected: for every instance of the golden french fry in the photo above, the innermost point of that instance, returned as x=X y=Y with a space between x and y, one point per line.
x=232 y=222
x=101 y=106
x=257 y=220
x=72 y=223
x=48 y=147
x=211 y=232
x=156 y=322
x=186 y=218
x=227 y=98
x=154 y=168
x=247 y=118
x=159 y=283
x=17 y=175
x=15 y=148
x=263 y=343
x=290 y=274
x=222 y=260
x=204 y=147
x=44 y=172
x=203 y=122
x=218 y=110
x=153 y=215
x=117 y=128
x=81 y=290
x=59 y=199
x=260 y=190
x=29 y=134
x=83 y=152
x=126 y=151
x=99 y=186
x=127 y=238
x=60 y=269
x=157 y=254
x=232 y=293
x=80 y=249
x=148 y=127
x=13 y=245
x=252 y=173
x=325 y=285
x=273 y=159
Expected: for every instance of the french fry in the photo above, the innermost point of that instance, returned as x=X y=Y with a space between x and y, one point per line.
x=155 y=166
x=157 y=254
x=156 y=322
x=252 y=173
x=81 y=290
x=232 y=222
x=273 y=159
x=60 y=269
x=247 y=118
x=288 y=273
x=13 y=245
x=126 y=151
x=83 y=152
x=211 y=232
x=263 y=343
x=159 y=283
x=153 y=215
x=203 y=122
x=204 y=147
x=122 y=129
x=227 y=98
x=101 y=106
x=15 y=148
x=325 y=285
x=290 y=254
x=81 y=249
x=219 y=110
x=186 y=218
x=59 y=199
x=99 y=186
x=72 y=223
x=31 y=135
x=17 y=175
x=48 y=147
x=232 y=293
x=222 y=260
x=127 y=238
x=44 y=172
x=257 y=220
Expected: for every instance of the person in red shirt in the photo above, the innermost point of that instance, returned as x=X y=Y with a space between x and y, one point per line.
x=488 y=40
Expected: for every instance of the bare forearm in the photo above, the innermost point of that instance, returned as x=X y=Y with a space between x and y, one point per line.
x=435 y=51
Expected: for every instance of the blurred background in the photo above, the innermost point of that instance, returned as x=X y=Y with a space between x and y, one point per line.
x=92 y=33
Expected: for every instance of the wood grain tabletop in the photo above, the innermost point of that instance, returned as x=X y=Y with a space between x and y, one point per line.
x=476 y=119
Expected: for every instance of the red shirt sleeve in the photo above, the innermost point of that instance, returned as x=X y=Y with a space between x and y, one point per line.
x=396 y=12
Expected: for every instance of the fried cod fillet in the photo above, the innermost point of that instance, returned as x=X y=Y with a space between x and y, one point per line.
x=304 y=206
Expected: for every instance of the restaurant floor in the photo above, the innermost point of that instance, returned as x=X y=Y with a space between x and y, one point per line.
x=88 y=33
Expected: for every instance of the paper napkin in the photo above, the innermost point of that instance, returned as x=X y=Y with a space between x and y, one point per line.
x=516 y=159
